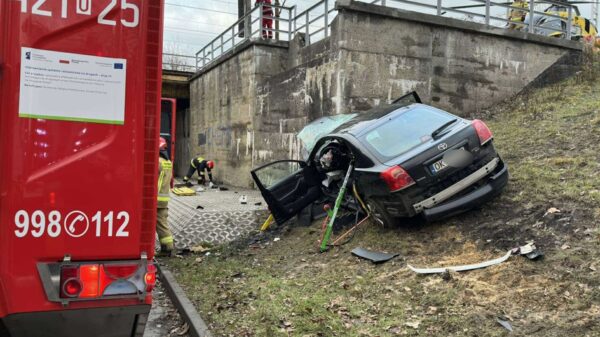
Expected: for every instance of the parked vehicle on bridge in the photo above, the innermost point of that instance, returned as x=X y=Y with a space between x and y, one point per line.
x=555 y=23
x=410 y=159
x=80 y=87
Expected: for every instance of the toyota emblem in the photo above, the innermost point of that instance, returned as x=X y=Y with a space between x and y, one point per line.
x=442 y=146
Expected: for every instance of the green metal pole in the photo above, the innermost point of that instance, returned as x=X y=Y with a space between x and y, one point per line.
x=338 y=203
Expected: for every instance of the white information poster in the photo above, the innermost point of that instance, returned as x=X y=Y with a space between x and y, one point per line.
x=72 y=87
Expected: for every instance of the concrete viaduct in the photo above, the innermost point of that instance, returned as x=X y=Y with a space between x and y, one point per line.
x=246 y=107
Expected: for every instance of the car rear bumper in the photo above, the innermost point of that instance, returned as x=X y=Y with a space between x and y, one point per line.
x=495 y=183
x=123 y=321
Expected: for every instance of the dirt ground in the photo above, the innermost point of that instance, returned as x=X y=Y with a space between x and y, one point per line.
x=277 y=284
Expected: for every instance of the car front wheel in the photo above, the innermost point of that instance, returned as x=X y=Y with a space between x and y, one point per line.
x=379 y=214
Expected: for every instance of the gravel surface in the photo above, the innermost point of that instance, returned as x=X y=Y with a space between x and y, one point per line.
x=164 y=320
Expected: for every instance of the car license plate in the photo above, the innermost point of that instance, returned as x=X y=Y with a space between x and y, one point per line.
x=438 y=166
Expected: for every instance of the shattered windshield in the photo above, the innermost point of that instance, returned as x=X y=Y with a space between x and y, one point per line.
x=319 y=128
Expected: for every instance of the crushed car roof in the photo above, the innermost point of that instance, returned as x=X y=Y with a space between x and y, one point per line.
x=344 y=123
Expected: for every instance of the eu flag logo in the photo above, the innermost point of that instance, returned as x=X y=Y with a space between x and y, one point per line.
x=118 y=65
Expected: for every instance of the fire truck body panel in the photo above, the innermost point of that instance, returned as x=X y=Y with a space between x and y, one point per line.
x=77 y=189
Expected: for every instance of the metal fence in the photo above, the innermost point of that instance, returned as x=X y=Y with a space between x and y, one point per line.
x=248 y=27
x=530 y=16
x=315 y=22
x=178 y=62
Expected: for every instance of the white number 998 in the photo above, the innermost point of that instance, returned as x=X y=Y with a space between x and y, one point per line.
x=39 y=224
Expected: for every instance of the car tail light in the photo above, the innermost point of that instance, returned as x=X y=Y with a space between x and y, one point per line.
x=88 y=275
x=483 y=132
x=72 y=288
x=397 y=178
x=150 y=277
x=97 y=280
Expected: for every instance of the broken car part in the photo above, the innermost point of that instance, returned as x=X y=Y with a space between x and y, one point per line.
x=505 y=324
x=267 y=223
x=529 y=250
x=375 y=257
x=459 y=186
x=461 y=268
x=352 y=230
x=336 y=207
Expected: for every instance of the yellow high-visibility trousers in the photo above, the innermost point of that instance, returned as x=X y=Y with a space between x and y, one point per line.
x=162 y=229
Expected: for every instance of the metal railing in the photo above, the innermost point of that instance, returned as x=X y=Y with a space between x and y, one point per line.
x=315 y=22
x=178 y=62
x=497 y=14
x=248 y=27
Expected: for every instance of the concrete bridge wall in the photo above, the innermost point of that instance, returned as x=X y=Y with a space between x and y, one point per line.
x=246 y=109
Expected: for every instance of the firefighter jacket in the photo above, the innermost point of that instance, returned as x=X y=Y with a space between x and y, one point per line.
x=165 y=173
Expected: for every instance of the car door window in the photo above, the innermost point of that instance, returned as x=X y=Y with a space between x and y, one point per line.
x=275 y=173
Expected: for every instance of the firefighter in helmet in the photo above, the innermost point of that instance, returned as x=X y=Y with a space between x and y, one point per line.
x=200 y=164
x=165 y=173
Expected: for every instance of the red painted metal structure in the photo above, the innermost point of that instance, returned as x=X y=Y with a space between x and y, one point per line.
x=78 y=198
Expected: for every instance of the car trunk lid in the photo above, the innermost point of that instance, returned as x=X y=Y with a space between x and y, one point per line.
x=428 y=163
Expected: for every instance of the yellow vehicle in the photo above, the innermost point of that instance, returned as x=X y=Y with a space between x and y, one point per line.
x=581 y=27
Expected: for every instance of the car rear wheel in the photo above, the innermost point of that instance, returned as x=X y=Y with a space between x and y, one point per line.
x=379 y=214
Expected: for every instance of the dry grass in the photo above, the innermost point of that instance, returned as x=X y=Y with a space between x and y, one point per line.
x=549 y=141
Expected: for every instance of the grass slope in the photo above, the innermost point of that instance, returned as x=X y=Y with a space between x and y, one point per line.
x=549 y=138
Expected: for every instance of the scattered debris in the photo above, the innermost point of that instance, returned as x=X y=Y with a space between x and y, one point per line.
x=565 y=246
x=243 y=200
x=276 y=239
x=505 y=324
x=257 y=203
x=534 y=255
x=199 y=207
x=183 y=330
x=199 y=260
x=199 y=249
x=200 y=189
x=461 y=268
x=552 y=210
x=221 y=188
x=375 y=257
x=414 y=325
x=529 y=250
x=267 y=223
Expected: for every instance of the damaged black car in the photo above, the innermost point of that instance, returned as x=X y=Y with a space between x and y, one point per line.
x=405 y=159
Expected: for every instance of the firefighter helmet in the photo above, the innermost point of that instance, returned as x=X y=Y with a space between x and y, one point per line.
x=162 y=144
x=210 y=164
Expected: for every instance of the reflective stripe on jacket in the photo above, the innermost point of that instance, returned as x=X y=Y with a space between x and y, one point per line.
x=165 y=173
x=196 y=160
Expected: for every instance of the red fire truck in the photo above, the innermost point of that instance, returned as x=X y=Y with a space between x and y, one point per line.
x=80 y=86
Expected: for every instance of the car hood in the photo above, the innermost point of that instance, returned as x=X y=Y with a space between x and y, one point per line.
x=312 y=132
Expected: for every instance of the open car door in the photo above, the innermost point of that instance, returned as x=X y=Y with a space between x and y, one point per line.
x=408 y=99
x=288 y=186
